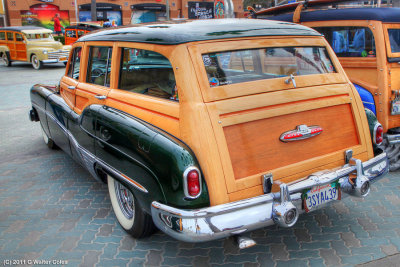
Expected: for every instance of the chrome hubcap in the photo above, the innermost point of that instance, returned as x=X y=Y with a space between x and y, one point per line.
x=125 y=200
x=5 y=59
x=35 y=61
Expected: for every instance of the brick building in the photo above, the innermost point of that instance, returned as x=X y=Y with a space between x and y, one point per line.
x=119 y=12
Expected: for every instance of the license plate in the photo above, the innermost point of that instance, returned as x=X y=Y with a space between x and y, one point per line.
x=319 y=195
x=62 y=59
x=396 y=107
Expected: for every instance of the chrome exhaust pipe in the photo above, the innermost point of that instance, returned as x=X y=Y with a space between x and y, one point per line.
x=244 y=242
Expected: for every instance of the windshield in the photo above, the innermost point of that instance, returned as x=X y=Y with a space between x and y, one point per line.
x=239 y=66
x=39 y=36
x=394 y=38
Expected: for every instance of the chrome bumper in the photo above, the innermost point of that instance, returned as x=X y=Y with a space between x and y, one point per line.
x=282 y=208
x=53 y=60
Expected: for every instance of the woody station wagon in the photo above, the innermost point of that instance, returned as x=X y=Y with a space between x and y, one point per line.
x=367 y=43
x=31 y=44
x=211 y=128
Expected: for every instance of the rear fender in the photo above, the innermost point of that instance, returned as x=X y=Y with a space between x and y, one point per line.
x=148 y=155
x=367 y=98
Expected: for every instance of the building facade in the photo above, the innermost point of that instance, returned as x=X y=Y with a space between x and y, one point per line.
x=118 y=12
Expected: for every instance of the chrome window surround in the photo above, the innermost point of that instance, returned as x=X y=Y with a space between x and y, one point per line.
x=185 y=184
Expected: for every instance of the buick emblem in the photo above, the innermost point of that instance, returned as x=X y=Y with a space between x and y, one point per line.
x=301 y=132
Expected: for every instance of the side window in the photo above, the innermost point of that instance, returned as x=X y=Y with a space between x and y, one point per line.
x=75 y=63
x=99 y=65
x=80 y=33
x=350 y=41
x=19 y=37
x=10 y=36
x=147 y=72
x=71 y=33
x=2 y=35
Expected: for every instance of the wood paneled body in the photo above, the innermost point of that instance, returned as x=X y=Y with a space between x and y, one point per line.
x=254 y=147
x=234 y=129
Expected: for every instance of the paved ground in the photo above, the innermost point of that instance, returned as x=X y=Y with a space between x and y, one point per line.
x=51 y=209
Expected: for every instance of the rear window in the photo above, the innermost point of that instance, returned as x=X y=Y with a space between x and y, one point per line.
x=230 y=67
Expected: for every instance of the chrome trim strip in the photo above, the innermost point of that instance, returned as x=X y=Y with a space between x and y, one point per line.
x=228 y=219
x=89 y=160
x=368 y=103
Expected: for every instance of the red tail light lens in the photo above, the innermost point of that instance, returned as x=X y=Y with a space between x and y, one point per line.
x=379 y=135
x=192 y=184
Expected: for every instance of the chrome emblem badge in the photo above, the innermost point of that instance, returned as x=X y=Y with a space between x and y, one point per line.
x=302 y=132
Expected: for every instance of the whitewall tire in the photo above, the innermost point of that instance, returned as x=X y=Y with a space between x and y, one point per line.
x=128 y=211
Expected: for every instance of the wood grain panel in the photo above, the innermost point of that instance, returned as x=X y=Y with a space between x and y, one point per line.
x=258 y=190
x=255 y=147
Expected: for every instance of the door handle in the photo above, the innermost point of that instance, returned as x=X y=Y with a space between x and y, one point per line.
x=101 y=97
x=71 y=87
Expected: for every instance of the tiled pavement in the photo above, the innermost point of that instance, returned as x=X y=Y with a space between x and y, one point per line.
x=51 y=209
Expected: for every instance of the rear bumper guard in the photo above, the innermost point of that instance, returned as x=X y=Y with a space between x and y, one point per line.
x=282 y=208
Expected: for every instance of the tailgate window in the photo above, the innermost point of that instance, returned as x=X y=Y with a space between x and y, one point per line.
x=237 y=66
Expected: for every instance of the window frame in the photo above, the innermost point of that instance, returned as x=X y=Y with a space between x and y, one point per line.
x=20 y=34
x=120 y=72
x=344 y=28
x=386 y=27
x=71 y=63
x=261 y=86
x=109 y=64
x=12 y=34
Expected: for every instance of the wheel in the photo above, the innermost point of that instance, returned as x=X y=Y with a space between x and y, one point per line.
x=48 y=141
x=65 y=63
x=36 y=63
x=128 y=211
x=6 y=59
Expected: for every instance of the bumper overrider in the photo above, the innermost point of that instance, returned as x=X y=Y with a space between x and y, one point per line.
x=282 y=208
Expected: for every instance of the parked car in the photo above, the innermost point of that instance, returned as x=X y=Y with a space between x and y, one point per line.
x=202 y=128
x=73 y=32
x=31 y=44
x=367 y=42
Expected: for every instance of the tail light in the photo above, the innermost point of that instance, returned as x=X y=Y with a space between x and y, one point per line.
x=192 y=182
x=378 y=134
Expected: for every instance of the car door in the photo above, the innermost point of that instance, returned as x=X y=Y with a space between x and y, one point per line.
x=11 y=45
x=20 y=47
x=96 y=75
x=70 y=80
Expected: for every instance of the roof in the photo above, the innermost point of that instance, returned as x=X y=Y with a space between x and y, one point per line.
x=21 y=28
x=87 y=27
x=177 y=32
x=379 y=14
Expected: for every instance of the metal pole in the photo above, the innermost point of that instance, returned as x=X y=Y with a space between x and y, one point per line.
x=76 y=12
x=5 y=13
x=167 y=9
x=93 y=10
